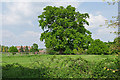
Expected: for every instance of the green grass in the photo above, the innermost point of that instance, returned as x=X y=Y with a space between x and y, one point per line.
x=26 y=60
x=33 y=66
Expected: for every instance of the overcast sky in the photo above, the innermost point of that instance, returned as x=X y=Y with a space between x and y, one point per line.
x=20 y=20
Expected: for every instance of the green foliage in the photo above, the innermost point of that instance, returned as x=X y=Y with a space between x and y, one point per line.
x=13 y=50
x=63 y=67
x=64 y=29
x=51 y=51
x=106 y=69
x=34 y=48
x=79 y=51
x=75 y=51
x=31 y=49
x=21 y=49
x=4 y=48
x=26 y=50
x=98 y=47
x=114 y=48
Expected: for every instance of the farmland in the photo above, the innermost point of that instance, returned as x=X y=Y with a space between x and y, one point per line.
x=59 y=66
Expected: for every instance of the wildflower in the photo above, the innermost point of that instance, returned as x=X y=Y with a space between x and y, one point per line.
x=108 y=69
x=104 y=68
x=113 y=71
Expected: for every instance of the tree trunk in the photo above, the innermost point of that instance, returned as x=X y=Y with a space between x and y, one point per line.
x=61 y=51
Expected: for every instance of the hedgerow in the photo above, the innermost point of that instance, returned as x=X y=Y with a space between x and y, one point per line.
x=64 y=67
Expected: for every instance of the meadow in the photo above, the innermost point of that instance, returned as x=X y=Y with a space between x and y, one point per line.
x=59 y=66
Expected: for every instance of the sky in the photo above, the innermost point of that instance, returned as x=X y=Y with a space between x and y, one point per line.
x=20 y=20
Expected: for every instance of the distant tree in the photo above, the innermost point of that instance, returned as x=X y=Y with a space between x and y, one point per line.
x=31 y=49
x=21 y=49
x=115 y=47
x=26 y=50
x=3 y=50
x=35 y=47
x=0 y=48
x=13 y=50
x=64 y=29
x=98 y=47
x=6 y=48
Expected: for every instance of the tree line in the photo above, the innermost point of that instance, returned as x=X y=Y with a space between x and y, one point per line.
x=13 y=49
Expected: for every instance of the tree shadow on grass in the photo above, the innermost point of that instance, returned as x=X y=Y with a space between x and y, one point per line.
x=15 y=70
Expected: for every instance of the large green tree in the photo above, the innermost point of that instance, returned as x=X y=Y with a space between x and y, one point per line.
x=64 y=29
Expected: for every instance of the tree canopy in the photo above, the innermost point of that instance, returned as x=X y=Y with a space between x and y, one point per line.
x=21 y=49
x=13 y=49
x=98 y=47
x=26 y=49
x=64 y=29
x=34 y=48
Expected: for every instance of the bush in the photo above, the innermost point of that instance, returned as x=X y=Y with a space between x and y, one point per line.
x=51 y=51
x=13 y=53
x=106 y=69
x=79 y=51
x=98 y=47
x=27 y=53
x=64 y=67
x=68 y=51
x=75 y=51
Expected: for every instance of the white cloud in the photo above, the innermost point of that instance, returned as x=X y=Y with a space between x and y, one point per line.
x=24 y=13
x=17 y=13
x=29 y=34
x=8 y=37
x=98 y=13
x=7 y=34
x=65 y=4
x=102 y=33
x=26 y=38
x=96 y=21
x=20 y=8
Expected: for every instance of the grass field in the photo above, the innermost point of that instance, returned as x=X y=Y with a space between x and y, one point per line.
x=56 y=66
x=26 y=60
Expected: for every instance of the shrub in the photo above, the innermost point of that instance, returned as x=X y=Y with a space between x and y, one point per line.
x=26 y=53
x=51 y=51
x=75 y=51
x=68 y=51
x=13 y=53
x=105 y=69
x=98 y=47
x=79 y=51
